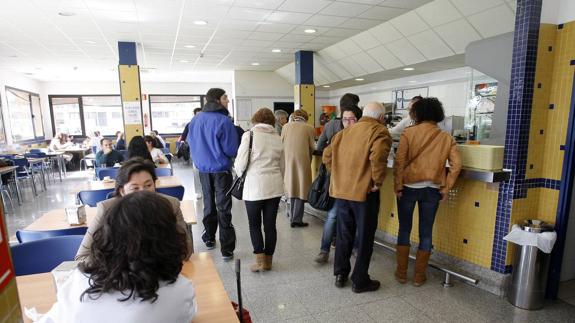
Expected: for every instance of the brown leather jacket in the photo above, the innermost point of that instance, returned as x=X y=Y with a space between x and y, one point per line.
x=429 y=165
x=357 y=159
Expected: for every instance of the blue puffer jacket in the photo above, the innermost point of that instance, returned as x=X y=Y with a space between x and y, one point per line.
x=213 y=139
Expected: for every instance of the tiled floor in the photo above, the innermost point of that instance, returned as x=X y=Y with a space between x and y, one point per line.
x=299 y=290
x=567 y=292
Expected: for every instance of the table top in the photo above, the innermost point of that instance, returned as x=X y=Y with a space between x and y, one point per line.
x=56 y=219
x=35 y=160
x=164 y=181
x=54 y=153
x=7 y=169
x=77 y=150
x=213 y=302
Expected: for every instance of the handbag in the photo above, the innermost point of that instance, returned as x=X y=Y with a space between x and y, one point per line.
x=237 y=188
x=318 y=196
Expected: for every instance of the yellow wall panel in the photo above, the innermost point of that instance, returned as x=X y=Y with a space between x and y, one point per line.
x=305 y=98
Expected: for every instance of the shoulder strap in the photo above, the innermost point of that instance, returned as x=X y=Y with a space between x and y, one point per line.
x=427 y=144
x=249 y=154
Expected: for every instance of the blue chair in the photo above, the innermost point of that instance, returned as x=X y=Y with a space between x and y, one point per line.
x=42 y=256
x=30 y=235
x=165 y=150
x=163 y=172
x=91 y=198
x=176 y=191
x=103 y=172
x=124 y=153
x=24 y=172
x=169 y=157
x=168 y=146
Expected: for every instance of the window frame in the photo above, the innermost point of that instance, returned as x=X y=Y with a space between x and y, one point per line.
x=30 y=94
x=202 y=99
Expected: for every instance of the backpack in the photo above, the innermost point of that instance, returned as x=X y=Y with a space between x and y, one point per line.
x=184 y=151
x=318 y=196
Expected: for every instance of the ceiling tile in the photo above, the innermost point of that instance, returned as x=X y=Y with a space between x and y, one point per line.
x=438 y=12
x=325 y=21
x=270 y=27
x=340 y=32
x=385 y=33
x=382 y=13
x=348 y=46
x=430 y=45
x=371 y=2
x=297 y=38
x=409 y=23
x=457 y=34
x=265 y=36
x=238 y=24
x=365 y=40
x=358 y=23
x=332 y=53
x=304 y=5
x=248 y=14
x=406 y=4
x=384 y=57
x=367 y=63
x=470 y=7
x=354 y=68
x=494 y=21
x=405 y=51
x=338 y=70
x=288 y=17
x=327 y=40
x=345 y=9
x=261 y=4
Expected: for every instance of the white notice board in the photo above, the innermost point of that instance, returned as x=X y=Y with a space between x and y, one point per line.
x=244 y=110
x=132 y=112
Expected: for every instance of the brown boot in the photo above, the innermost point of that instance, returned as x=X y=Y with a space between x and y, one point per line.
x=259 y=265
x=421 y=261
x=268 y=262
x=402 y=258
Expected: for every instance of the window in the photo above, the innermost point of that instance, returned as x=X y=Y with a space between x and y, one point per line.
x=2 y=132
x=171 y=113
x=25 y=114
x=66 y=115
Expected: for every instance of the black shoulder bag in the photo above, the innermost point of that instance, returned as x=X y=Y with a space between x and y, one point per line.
x=237 y=188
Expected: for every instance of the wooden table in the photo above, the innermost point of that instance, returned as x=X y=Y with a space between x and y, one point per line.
x=165 y=181
x=12 y=169
x=213 y=302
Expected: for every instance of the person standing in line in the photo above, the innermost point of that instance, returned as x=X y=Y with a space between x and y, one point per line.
x=298 y=141
x=214 y=142
x=357 y=159
x=347 y=101
x=420 y=176
x=281 y=119
x=263 y=186
x=405 y=122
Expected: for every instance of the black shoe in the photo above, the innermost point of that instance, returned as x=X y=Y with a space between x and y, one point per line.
x=299 y=224
x=227 y=256
x=373 y=285
x=340 y=281
x=210 y=245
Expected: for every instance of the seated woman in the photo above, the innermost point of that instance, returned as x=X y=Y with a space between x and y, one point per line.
x=137 y=148
x=60 y=142
x=136 y=174
x=133 y=271
x=157 y=155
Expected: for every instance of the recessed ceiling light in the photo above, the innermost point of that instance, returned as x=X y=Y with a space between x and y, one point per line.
x=326 y=86
x=29 y=73
x=14 y=56
x=408 y=69
x=359 y=79
x=90 y=42
x=184 y=61
x=255 y=64
x=309 y=31
x=200 y=22
x=190 y=46
x=66 y=14
x=277 y=50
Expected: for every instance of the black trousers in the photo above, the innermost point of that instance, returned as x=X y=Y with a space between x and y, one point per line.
x=218 y=210
x=351 y=217
x=266 y=210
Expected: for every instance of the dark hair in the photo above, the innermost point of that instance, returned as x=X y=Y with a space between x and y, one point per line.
x=214 y=94
x=348 y=100
x=102 y=140
x=131 y=166
x=354 y=109
x=197 y=110
x=150 y=139
x=427 y=109
x=416 y=98
x=264 y=115
x=156 y=132
x=138 y=244
x=137 y=148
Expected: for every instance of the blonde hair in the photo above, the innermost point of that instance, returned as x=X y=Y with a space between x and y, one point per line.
x=301 y=113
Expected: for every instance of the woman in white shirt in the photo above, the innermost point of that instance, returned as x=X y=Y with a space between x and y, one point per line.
x=157 y=155
x=263 y=185
x=133 y=271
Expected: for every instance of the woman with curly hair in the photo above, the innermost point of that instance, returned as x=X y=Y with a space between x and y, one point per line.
x=133 y=271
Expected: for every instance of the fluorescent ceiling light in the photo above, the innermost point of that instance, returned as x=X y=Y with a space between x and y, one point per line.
x=309 y=31
x=190 y=46
x=66 y=14
x=255 y=64
x=412 y=81
x=184 y=61
x=359 y=79
x=326 y=86
x=89 y=42
x=408 y=69
x=200 y=22
x=276 y=50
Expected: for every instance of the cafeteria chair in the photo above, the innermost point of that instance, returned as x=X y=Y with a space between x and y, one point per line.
x=91 y=198
x=165 y=150
x=24 y=173
x=5 y=192
x=160 y=172
x=42 y=256
x=175 y=191
x=31 y=235
x=103 y=172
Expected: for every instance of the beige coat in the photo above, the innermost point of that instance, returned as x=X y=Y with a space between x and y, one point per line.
x=298 y=139
x=104 y=206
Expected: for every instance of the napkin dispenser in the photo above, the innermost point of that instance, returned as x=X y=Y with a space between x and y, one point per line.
x=76 y=215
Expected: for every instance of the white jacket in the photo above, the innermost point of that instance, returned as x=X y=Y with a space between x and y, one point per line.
x=264 y=178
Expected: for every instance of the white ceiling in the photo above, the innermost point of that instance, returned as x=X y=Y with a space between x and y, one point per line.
x=36 y=40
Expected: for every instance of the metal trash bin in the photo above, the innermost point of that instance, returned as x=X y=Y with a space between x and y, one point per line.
x=530 y=268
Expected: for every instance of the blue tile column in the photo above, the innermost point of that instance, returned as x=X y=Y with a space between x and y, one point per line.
x=527 y=21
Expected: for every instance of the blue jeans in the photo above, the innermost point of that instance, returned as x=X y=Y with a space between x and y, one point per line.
x=328 y=229
x=427 y=202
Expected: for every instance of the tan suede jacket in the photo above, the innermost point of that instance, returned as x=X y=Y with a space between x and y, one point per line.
x=357 y=159
x=430 y=163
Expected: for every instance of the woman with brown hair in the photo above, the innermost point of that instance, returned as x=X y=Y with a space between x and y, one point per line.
x=263 y=184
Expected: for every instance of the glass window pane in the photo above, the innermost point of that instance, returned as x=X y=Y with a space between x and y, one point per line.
x=67 y=115
x=37 y=115
x=2 y=132
x=20 y=114
x=170 y=114
x=103 y=113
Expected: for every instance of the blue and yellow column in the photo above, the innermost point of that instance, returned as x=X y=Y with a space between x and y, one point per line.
x=304 y=89
x=130 y=90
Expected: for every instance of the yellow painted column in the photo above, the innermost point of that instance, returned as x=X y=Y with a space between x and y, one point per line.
x=304 y=89
x=130 y=89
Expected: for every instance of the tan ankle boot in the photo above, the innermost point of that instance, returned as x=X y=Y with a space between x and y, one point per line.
x=421 y=261
x=402 y=259
x=268 y=262
x=259 y=265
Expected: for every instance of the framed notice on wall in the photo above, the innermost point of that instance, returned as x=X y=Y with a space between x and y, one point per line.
x=402 y=97
x=132 y=112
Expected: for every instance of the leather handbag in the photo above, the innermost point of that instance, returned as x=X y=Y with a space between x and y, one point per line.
x=318 y=196
x=237 y=188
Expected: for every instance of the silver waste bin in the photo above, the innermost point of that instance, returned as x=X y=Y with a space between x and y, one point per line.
x=529 y=278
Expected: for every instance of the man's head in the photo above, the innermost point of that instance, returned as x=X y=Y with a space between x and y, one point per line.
x=281 y=117
x=197 y=110
x=348 y=100
x=374 y=110
x=217 y=95
x=413 y=100
x=106 y=144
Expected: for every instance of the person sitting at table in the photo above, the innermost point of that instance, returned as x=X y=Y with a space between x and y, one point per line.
x=60 y=143
x=120 y=141
x=136 y=174
x=159 y=138
x=138 y=148
x=108 y=157
x=133 y=271
x=157 y=155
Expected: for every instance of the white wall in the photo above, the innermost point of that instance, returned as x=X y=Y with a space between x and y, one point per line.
x=558 y=11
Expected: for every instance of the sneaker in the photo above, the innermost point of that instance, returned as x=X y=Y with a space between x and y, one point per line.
x=210 y=245
x=322 y=257
x=228 y=256
x=373 y=285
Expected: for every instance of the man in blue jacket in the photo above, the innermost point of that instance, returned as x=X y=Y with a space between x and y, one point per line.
x=213 y=142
